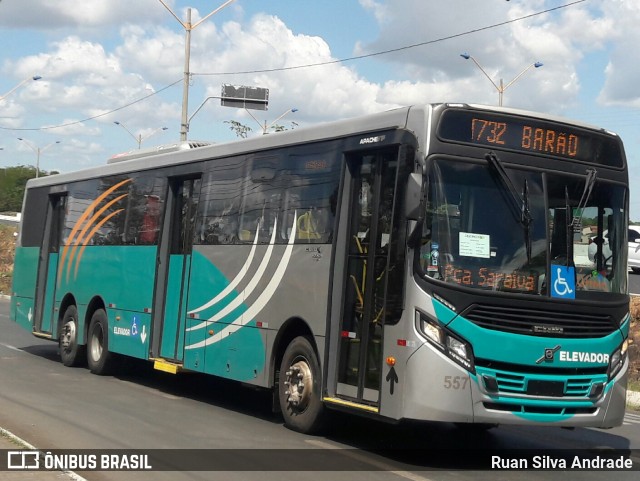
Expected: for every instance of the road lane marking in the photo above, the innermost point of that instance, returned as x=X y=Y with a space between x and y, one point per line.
x=378 y=465
x=9 y=346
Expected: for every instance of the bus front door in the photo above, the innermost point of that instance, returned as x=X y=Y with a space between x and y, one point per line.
x=43 y=312
x=373 y=180
x=173 y=270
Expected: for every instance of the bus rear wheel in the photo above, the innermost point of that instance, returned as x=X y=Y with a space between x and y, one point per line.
x=99 y=359
x=299 y=387
x=71 y=353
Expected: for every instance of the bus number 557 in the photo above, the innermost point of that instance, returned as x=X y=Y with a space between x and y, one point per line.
x=455 y=382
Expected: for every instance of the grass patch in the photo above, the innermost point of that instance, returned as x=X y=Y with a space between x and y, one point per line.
x=7 y=253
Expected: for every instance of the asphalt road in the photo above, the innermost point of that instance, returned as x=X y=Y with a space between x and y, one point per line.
x=634 y=284
x=54 y=407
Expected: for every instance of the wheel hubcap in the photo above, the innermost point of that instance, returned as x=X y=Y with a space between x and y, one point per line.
x=299 y=384
x=68 y=337
x=96 y=344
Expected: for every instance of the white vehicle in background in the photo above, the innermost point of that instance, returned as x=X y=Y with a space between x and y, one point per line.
x=633 y=260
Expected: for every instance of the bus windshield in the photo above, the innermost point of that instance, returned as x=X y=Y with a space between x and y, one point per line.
x=495 y=227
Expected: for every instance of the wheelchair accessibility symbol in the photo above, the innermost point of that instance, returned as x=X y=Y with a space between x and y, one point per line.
x=563 y=282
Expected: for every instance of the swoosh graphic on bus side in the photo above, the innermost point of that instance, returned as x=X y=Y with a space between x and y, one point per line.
x=91 y=234
x=234 y=282
x=239 y=299
x=81 y=220
x=261 y=301
x=81 y=239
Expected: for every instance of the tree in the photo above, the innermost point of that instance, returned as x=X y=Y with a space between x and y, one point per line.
x=242 y=130
x=12 y=184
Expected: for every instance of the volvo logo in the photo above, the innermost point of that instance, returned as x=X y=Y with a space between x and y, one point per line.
x=549 y=353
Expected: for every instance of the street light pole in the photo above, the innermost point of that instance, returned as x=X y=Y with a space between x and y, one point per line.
x=38 y=151
x=265 y=128
x=138 y=138
x=501 y=87
x=184 y=122
x=34 y=78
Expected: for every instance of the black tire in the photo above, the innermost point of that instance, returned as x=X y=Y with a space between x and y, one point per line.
x=299 y=386
x=635 y=270
x=71 y=352
x=99 y=359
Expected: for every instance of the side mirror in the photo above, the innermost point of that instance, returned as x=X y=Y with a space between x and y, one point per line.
x=413 y=197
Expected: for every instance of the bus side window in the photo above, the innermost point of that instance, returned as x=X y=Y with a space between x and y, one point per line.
x=261 y=205
x=150 y=227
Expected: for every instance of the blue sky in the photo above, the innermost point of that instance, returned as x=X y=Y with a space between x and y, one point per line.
x=98 y=58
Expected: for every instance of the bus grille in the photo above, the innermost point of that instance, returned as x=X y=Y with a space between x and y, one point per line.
x=517 y=384
x=535 y=382
x=536 y=322
x=525 y=409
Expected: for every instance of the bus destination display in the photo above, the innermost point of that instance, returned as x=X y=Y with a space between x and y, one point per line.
x=529 y=135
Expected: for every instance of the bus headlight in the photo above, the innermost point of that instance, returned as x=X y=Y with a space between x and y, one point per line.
x=451 y=345
x=617 y=359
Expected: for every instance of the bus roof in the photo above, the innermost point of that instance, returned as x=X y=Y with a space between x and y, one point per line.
x=178 y=153
x=396 y=118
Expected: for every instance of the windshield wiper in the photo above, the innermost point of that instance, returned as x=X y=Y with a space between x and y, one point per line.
x=589 y=182
x=575 y=220
x=521 y=203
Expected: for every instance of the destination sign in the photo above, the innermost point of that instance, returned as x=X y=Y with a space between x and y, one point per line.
x=489 y=278
x=530 y=135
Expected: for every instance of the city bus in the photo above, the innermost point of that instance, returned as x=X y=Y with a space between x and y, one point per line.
x=424 y=263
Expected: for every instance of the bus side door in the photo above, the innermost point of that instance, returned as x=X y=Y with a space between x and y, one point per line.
x=48 y=265
x=369 y=265
x=173 y=269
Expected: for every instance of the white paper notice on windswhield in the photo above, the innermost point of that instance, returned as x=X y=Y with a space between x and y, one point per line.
x=474 y=245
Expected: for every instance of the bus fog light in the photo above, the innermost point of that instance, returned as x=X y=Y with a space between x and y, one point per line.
x=596 y=389
x=490 y=383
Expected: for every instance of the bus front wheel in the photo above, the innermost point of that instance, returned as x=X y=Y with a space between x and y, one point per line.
x=71 y=353
x=99 y=359
x=299 y=387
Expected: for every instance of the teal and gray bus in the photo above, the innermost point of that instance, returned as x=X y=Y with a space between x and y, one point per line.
x=426 y=263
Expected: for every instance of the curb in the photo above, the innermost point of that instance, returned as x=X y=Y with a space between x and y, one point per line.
x=633 y=399
x=8 y=441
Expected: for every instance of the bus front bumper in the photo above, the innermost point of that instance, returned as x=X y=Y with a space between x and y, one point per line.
x=438 y=389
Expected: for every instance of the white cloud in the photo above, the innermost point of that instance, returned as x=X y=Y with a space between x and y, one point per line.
x=117 y=52
x=83 y=14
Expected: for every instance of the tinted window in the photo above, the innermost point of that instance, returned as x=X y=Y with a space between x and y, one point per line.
x=115 y=211
x=249 y=196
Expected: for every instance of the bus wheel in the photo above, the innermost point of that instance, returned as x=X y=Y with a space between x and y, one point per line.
x=71 y=353
x=99 y=359
x=299 y=387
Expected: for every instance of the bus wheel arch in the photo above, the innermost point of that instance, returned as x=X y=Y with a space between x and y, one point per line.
x=72 y=351
x=298 y=378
